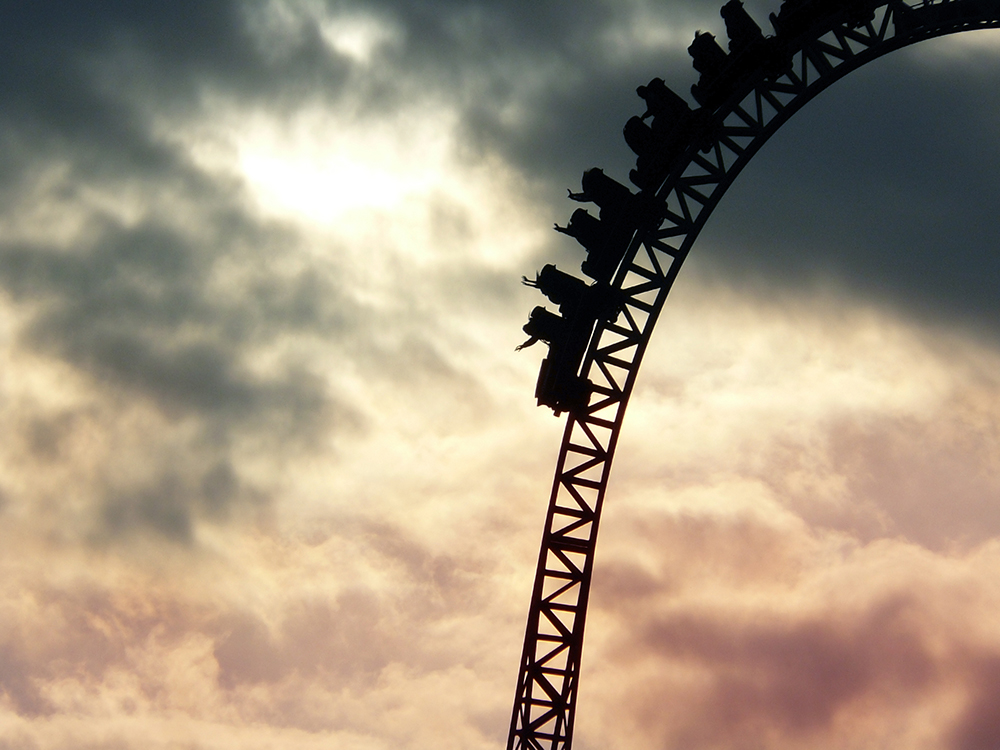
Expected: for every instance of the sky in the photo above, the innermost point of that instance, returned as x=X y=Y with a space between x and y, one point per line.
x=272 y=475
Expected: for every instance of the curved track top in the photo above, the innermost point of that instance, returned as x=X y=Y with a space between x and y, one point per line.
x=823 y=40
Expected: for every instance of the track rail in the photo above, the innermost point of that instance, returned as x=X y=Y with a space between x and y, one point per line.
x=825 y=50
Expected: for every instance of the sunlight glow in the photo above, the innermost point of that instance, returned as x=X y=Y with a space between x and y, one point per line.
x=357 y=38
x=969 y=47
x=324 y=188
x=386 y=187
x=320 y=168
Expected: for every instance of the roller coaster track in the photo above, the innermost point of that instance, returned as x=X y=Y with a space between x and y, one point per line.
x=824 y=48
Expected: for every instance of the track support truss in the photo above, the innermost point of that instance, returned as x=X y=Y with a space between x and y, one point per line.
x=824 y=50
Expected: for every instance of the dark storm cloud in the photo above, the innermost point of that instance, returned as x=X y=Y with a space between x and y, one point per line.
x=82 y=85
x=551 y=62
x=171 y=504
x=123 y=306
x=137 y=310
x=58 y=58
x=538 y=83
x=886 y=183
x=136 y=304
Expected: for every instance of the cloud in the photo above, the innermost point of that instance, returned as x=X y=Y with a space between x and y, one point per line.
x=978 y=726
x=273 y=475
x=331 y=654
x=767 y=636
x=795 y=535
x=153 y=314
x=883 y=184
x=794 y=678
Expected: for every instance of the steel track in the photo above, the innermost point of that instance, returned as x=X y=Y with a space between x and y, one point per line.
x=549 y=675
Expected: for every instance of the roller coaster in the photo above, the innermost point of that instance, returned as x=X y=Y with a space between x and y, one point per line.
x=686 y=158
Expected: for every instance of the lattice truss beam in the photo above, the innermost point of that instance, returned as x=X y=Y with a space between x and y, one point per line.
x=548 y=681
